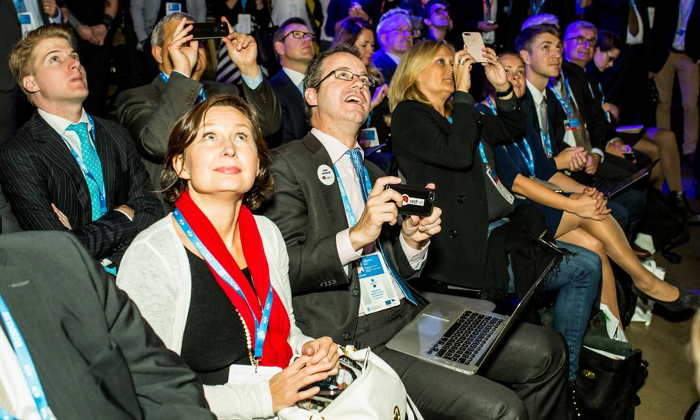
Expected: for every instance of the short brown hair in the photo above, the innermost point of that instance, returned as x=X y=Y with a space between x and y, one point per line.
x=184 y=134
x=22 y=55
x=527 y=36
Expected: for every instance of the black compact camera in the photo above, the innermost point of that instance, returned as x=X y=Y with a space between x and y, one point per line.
x=417 y=201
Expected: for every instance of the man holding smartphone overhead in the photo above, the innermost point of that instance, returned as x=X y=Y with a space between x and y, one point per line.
x=149 y=112
x=350 y=255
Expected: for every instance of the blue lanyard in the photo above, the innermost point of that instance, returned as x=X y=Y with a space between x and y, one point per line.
x=260 y=327
x=369 y=118
x=487 y=9
x=684 y=16
x=537 y=8
x=546 y=142
x=243 y=3
x=529 y=159
x=366 y=187
x=602 y=99
x=20 y=6
x=491 y=105
x=86 y=171
x=564 y=103
x=483 y=156
x=200 y=98
x=25 y=360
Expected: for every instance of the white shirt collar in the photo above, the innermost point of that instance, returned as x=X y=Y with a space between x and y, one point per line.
x=294 y=76
x=536 y=94
x=396 y=58
x=333 y=146
x=61 y=124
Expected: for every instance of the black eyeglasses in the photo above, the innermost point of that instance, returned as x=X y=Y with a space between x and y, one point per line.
x=580 y=40
x=300 y=35
x=347 y=76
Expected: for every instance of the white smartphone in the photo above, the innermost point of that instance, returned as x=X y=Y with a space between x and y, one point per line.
x=474 y=43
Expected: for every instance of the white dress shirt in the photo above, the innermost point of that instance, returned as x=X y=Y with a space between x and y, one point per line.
x=351 y=183
x=683 y=16
x=639 y=38
x=14 y=383
x=60 y=125
x=34 y=7
x=294 y=76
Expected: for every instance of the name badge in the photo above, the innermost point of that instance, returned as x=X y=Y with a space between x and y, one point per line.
x=496 y=181
x=368 y=137
x=172 y=8
x=27 y=22
x=245 y=374
x=244 y=25
x=376 y=285
x=572 y=124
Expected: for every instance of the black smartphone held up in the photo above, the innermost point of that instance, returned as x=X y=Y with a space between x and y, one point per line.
x=416 y=200
x=209 y=30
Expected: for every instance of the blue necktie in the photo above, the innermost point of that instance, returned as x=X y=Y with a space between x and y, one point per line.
x=94 y=166
x=356 y=158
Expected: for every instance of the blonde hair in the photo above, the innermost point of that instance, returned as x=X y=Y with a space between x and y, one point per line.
x=404 y=84
x=22 y=56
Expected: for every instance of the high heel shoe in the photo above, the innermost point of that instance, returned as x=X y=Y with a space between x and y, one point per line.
x=685 y=300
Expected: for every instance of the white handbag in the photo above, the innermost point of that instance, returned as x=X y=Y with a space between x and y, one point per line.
x=377 y=393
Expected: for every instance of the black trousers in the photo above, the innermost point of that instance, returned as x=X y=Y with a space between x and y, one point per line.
x=525 y=379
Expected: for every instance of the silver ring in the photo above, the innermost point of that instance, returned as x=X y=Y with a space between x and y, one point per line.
x=460 y=62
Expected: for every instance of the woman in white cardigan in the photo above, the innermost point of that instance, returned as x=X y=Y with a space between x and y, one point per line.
x=212 y=279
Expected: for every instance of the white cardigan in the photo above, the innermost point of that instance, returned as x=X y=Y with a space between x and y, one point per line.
x=155 y=272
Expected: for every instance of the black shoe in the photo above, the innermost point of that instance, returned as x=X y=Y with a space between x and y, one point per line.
x=573 y=404
x=685 y=300
x=680 y=202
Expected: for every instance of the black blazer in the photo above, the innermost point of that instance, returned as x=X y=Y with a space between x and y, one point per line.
x=10 y=34
x=94 y=354
x=292 y=103
x=665 y=25
x=385 y=64
x=613 y=15
x=37 y=169
x=430 y=149
x=590 y=108
x=310 y=214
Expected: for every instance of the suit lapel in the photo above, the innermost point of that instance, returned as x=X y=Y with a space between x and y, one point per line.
x=288 y=86
x=330 y=194
x=105 y=151
x=56 y=154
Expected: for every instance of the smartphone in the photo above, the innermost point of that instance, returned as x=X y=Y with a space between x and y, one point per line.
x=209 y=30
x=474 y=43
x=416 y=200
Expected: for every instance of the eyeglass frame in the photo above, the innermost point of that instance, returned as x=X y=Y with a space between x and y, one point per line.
x=304 y=35
x=591 y=41
x=335 y=74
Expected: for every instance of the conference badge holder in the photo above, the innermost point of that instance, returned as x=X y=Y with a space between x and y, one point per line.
x=376 y=284
x=572 y=124
x=496 y=181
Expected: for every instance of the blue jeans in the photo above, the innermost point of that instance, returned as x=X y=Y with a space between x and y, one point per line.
x=578 y=281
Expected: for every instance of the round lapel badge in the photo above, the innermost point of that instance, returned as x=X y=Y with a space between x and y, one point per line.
x=325 y=174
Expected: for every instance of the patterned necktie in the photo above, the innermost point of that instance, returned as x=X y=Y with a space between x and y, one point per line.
x=542 y=110
x=94 y=166
x=356 y=158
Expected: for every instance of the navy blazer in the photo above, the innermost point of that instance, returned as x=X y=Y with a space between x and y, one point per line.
x=37 y=170
x=294 y=124
x=385 y=64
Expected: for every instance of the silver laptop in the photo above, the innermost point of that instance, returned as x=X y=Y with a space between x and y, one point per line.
x=458 y=336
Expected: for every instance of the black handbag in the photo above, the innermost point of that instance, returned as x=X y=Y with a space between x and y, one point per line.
x=607 y=387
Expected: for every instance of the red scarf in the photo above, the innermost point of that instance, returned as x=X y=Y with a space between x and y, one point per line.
x=276 y=349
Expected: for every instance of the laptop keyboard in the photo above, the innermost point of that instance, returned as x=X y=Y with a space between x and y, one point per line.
x=604 y=185
x=465 y=338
